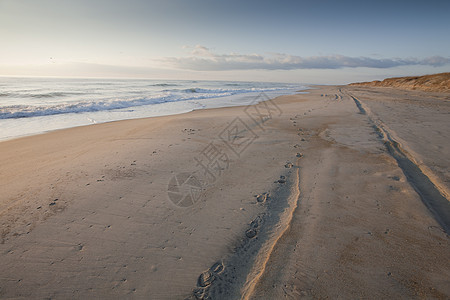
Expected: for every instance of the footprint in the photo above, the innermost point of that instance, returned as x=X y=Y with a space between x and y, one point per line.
x=288 y=165
x=217 y=268
x=205 y=279
x=299 y=155
x=282 y=179
x=200 y=293
x=261 y=198
x=256 y=222
x=396 y=178
x=251 y=233
x=189 y=131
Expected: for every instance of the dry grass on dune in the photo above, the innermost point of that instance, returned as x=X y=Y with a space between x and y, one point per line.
x=430 y=83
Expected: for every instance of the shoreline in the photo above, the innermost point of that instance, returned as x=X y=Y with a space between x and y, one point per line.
x=57 y=104
x=102 y=202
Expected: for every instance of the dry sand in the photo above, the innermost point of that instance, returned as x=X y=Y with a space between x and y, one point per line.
x=340 y=193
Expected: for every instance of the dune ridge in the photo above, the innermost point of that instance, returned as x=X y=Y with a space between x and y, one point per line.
x=430 y=83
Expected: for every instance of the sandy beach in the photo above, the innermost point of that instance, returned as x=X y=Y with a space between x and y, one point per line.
x=339 y=193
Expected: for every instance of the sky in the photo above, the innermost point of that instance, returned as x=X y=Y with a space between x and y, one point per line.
x=331 y=42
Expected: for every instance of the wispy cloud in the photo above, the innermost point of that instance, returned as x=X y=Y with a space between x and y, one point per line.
x=201 y=58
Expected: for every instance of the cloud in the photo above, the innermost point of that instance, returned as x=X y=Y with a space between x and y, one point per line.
x=201 y=58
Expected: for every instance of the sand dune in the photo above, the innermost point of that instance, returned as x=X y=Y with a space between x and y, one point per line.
x=337 y=193
x=432 y=83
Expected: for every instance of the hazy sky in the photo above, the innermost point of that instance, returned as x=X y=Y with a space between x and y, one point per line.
x=297 y=41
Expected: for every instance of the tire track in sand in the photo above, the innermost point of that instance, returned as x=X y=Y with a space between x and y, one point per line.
x=433 y=195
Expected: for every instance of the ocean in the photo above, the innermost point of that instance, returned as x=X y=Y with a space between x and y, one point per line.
x=35 y=105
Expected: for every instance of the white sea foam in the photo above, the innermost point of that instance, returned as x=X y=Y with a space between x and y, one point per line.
x=30 y=105
x=25 y=111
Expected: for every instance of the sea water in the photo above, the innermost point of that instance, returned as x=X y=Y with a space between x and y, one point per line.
x=35 y=105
